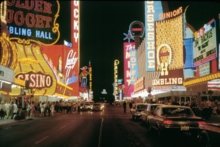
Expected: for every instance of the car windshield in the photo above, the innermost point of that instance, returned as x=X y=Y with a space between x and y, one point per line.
x=141 y=106
x=153 y=107
x=177 y=111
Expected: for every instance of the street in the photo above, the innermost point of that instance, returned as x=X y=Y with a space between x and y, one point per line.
x=110 y=128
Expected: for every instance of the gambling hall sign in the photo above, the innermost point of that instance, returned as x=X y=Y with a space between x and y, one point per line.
x=33 y=21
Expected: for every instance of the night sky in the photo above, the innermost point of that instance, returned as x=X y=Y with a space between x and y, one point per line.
x=102 y=25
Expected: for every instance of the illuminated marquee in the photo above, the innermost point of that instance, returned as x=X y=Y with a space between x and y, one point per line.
x=169 y=52
x=171 y=14
x=37 y=80
x=139 y=85
x=205 y=46
x=127 y=74
x=116 y=62
x=133 y=66
x=152 y=11
x=33 y=21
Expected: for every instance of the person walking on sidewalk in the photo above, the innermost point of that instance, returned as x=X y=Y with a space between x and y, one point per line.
x=28 y=110
x=7 y=109
x=52 y=109
x=45 y=108
x=48 y=108
x=32 y=110
x=15 y=110
x=42 y=109
x=124 y=105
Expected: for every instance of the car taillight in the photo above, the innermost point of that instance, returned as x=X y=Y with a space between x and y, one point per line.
x=201 y=122
x=167 y=122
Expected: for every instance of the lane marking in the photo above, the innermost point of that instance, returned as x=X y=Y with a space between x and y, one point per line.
x=62 y=127
x=100 y=133
x=41 y=140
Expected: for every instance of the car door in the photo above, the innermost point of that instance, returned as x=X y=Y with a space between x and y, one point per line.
x=133 y=109
x=156 y=117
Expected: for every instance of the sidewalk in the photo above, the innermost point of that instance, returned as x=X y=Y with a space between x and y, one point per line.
x=4 y=122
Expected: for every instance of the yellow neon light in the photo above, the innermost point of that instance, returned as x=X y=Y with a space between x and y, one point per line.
x=202 y=79
x=55 y=29
x=28 y=61
x=19 y=82
x=171 y=32
x=57 y=94
x=9 y=53
x=64 y=85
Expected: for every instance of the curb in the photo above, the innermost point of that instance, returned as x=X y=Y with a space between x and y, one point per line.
x=23 y=120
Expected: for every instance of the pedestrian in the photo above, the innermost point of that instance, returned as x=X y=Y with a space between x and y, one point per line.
x=124 y=105
x=15 y=111
x=127 y=106
x=42 y=109
x=48 y=108
x=7 y=109
x=52 y=109
x=11 y=109
x=28 y=110
x=45 y=108
x=32 y=110
x=76 y=107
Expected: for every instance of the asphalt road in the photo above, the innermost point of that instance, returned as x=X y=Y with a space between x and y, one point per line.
x=109 y=128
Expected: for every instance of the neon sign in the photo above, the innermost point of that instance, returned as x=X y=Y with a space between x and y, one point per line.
x=116 y=62
x=133 y=66
x=70 y=64
x=33 y=21
x=205 y=46
x=152 y=11
x=37 y=80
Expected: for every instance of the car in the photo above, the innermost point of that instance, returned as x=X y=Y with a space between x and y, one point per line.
x=97 y=106
x=209 y=135
x=85 y=106
x=148 y=111
x=137 y=109
x=170 y=118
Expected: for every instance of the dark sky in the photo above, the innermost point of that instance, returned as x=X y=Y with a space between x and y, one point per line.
x=102 y=25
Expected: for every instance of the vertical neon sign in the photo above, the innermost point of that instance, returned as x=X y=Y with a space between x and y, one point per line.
x=116 y=62
x=75 y=15
x=152 y=11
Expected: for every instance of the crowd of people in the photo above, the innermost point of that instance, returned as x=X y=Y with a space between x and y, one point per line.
x=8 y=110
x=11 y=110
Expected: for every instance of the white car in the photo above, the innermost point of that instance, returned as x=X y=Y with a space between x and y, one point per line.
x=137 y=109
x=148 y=111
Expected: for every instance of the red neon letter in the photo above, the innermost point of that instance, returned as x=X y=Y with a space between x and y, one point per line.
x=30 y=18
x=21 y=18
x=10 y=3
x=27 y=6
x=9 y=17
x=38 y=5
x=47 y=7
x=48 y=20
x=19 y=5
x=39 y=22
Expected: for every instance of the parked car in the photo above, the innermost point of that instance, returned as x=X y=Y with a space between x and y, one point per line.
x=174 y=118
x=97 y=106
x=209 y=135
x=137 y=109
x=148 y=111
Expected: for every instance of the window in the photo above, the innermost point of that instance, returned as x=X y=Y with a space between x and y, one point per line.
x=177 y=111
x=157 y=111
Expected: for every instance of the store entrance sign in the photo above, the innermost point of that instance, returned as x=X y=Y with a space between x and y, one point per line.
x=36 y=80
x=33 y=21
